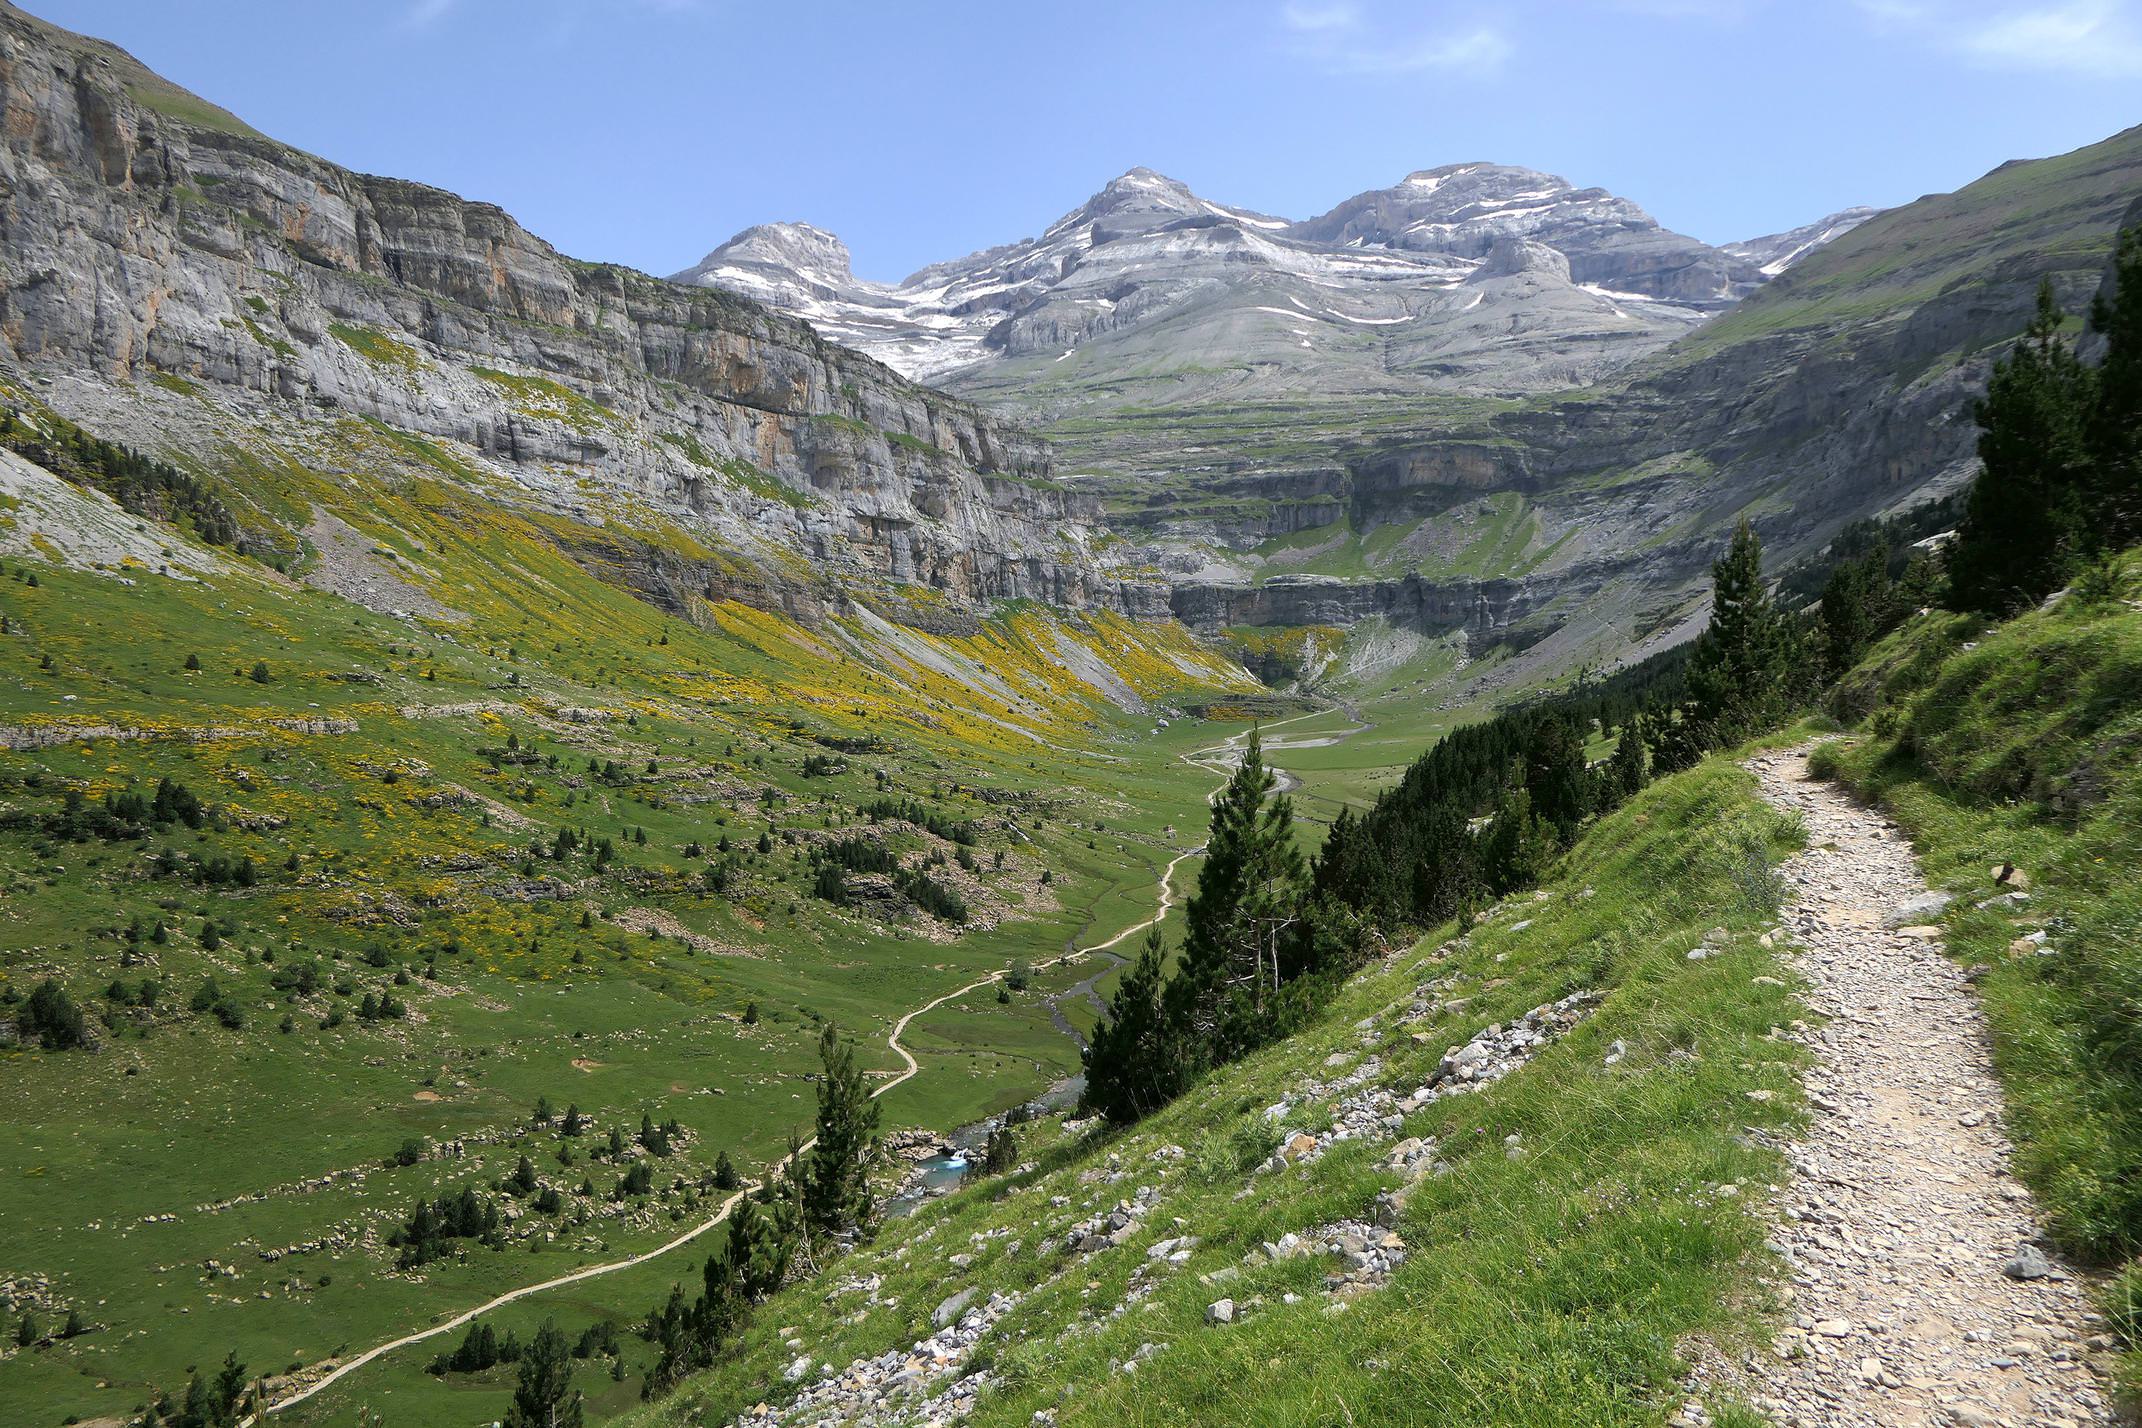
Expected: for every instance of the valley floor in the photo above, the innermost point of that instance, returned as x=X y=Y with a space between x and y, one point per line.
x=339 y=1385
x=1358 y=1224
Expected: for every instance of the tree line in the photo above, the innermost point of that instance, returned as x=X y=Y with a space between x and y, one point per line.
x=141 y=484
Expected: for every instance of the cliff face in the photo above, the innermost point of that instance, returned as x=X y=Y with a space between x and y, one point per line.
x=1485 y=610
x=149 y=237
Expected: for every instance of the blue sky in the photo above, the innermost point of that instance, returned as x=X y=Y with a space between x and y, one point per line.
x=646 y=131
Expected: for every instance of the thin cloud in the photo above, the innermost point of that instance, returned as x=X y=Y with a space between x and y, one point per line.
x=1338 y=38
x=1312 y=19
x=425 y=13
x=1482 y=49
x=1723 y=11
x=2090 y=39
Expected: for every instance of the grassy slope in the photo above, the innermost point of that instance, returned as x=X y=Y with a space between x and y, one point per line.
x=2057 y=213
x=2024 y=743
x=176 y=1112
x=1552 y=1287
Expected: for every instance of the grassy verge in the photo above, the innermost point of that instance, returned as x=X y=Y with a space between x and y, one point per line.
x=2023 y=744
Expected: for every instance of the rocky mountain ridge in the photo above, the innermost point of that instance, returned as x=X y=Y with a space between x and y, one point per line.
x=1472 y=277
x=1841 y=389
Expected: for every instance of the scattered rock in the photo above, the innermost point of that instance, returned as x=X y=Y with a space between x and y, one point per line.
x=949 y=1311
x=1920 y=908
x=2030 y=1263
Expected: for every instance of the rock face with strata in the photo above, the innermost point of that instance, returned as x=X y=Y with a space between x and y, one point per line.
x=174 y=278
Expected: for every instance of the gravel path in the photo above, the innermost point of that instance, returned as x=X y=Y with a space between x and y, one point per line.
x=1902 y=1225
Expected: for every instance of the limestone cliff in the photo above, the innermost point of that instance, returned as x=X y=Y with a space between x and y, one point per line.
x=176 y=280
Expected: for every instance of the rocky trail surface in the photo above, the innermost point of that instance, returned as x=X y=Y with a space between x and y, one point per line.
x=1920 y=1291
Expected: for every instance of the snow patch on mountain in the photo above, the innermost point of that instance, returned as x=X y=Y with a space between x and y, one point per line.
x=1773 y=253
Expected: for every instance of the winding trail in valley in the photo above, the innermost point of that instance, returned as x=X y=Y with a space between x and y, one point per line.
x=1920 y=1293
x=1218 y=758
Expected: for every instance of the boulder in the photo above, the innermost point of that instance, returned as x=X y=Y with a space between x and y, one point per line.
x=1923 y=908
x=949 y=1311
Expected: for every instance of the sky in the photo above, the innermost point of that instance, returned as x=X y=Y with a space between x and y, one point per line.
x=648 y=131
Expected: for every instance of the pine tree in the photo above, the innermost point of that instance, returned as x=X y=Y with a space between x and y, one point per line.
x=50 y=1016
x=669 y=1329
x=1628 y=769
x=760 y=1248
x=1518 y=846
x=2025 y=526
x=2115 y=427
x=540 y=1397
x=1134 y=1065
x=523 y=1180
x=837 y=1198
x=1556 y=776
x=1736 y=673
x=1846 y=621
x=229 y=1388
x=1248 y=894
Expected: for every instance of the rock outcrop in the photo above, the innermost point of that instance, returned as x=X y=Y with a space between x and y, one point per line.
x=1773 y=253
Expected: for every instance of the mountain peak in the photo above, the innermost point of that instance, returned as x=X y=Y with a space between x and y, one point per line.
x=803 y=247
x=1429 y=180
x=1143 y=178
x=1140 y=191
x=1466 y=210
x=768 y=260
